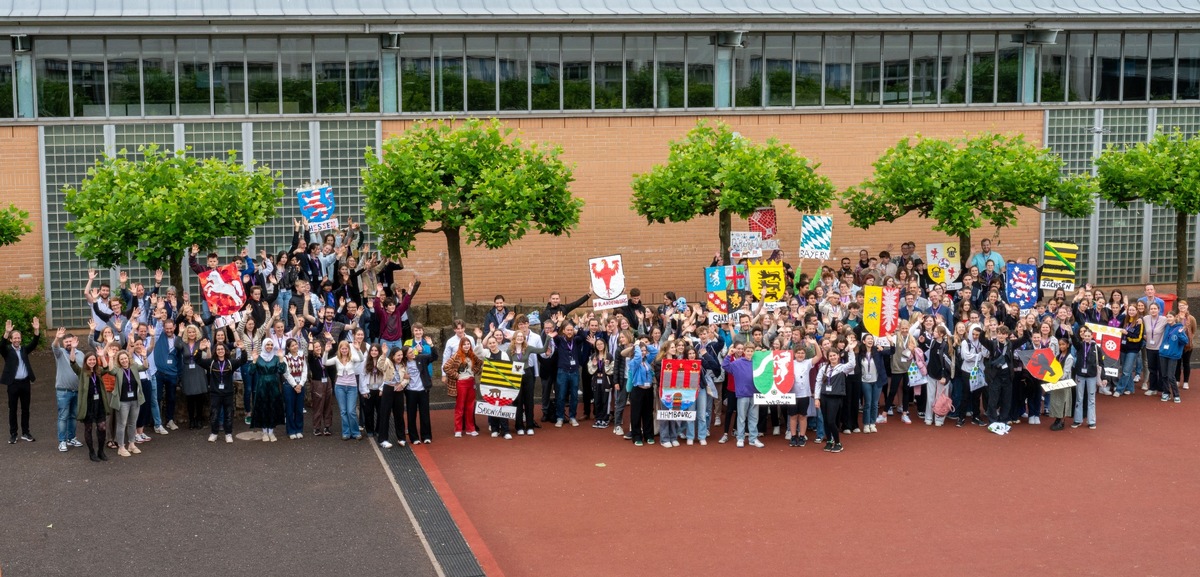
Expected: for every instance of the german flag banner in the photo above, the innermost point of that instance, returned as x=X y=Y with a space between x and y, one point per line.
x=499 y=384
x=1058 y=269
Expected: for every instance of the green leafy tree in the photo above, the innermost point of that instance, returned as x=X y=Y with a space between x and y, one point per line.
x=1164 y=172
x=961 y=184
x=472 y=178
x=13 y=225
x=156 y=208
x=713 y=170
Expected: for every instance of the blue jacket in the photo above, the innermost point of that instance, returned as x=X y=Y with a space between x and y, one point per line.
x=638 y=371
x=1173 y=342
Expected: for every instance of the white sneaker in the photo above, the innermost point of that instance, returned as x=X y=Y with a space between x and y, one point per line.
x=212 y=438
x=495 y=434
x=62 y=446
x=473 y=433
x=171 y=425
x=521 y=432
x=675 y=443
x=529 y=432
x=458 y=434
x=574 y=423
x=299 y=435
x=161 y=431
x=74 y=443
x=689 y=442
x=617 y=431
x=228 y=438
x=1185 y=386
x=880 y=419
x=905 y=419
x=1149 y=393
x=857 y=430
x=266 y=437
x=1116 y=394
x=741 y=444
x=271 y=434
x=845 y=431
x=508 y=436
x=665 y=445
x=758 y=444
x=703 y=443
x=1178 y=400
x=292 y=436
x=787 y=435
x=558 y=423
x=717 y=421
x=1166 y=397
x=1145 y=386
x=385 y=445
x=775 y=431
x=724 y=438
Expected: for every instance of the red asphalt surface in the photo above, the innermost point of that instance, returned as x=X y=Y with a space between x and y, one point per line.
x=911 y=500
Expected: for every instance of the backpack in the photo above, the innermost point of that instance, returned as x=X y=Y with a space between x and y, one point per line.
x=943 y=405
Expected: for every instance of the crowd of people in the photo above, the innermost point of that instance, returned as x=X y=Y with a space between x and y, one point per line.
x=325 y=325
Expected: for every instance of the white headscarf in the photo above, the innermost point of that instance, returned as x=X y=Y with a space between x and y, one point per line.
x=265 y=354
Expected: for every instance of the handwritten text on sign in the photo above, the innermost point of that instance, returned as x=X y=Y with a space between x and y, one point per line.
x=1060 y=384
x=677 y=415
x=774 y=398
x=490 y=410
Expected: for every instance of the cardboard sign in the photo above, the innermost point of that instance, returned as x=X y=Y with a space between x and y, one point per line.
x=1109 y=339
x=745 y=245
x=942 y=261
x=679 y=385
x=1041 y=364
x=1021 y=285
x=774 y=378
x=768 y=277
x=223 y=291
x=881 y=310
x=608 y=282
x=499 y=386
x=317 y=205
x=763 y=221
x=1058 y=272
x=816 y=236
x=1060 y=384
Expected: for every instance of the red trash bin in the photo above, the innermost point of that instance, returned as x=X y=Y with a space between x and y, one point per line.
x=1168 y=302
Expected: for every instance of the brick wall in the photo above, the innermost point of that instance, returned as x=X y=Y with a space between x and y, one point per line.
x=607 y=151
x=21 y=263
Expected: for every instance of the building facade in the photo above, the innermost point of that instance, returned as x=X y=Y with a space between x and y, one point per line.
x=308 y=89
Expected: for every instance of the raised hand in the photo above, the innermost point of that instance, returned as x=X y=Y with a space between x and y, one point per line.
x=60 y=333
x=158 y=275
x=91 y=324
x=92 y=274
x=478 y=333
x=123 y=277
x=510 y=316
x=195 y=249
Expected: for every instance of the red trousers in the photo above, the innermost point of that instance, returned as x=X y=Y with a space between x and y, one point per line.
x=464 y=406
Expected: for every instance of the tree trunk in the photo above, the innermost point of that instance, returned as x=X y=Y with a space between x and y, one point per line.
x=964 y=253
x=175 y=276
x=724 y=228
x=458 y=305
x=1181 y=256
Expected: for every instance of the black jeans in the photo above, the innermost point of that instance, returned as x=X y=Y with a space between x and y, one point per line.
x=830 y=407
x=524 y=402
x=391 y=404
x=730 y=399
x=999 y=395
x=195 y=407
x=549 y=375
x=641 y=417
x=600 y=400
x=1154 y=374
x=370 y=410
x=418 y=401
x=166 y=390
x=18 y=392
x=1183 y=369
x=897 y=383
x=221 y=407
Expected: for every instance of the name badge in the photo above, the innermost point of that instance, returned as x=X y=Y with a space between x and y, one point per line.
x=572 y=361
x=96 y=397
x=324 y=379
x=221 y=387
x=191 y=365
x=170 y=361
x=144 y=376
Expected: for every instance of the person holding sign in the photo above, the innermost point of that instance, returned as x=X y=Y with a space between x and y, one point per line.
x=1060 y=399
x=740 y=367
x=489 y=350
x=1086 y=374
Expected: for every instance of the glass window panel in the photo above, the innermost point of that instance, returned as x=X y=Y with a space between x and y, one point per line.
x=668 y=51
x=1081 y=66
x=53 y=80
x=983 y=68
x=1135 y=66
x=124 y=80
x=87 y=76
x=448 y=74
x=195 y=86
x=262 y=67
x=481 y=73
x=415 y=73
x=609 y=71
x=954 y=67
x=748 y=72
x=808 y=70
x=639 y=72
x=229 y=76
x=1053 y=71
x=1162 y=66
x=514 y=73
x=700 y=57
x=1108 y=66
x=330 y=57
x=1189 y=66
x=548 y=73
x=837 y=69
x=777 y=54
x=895 y=69
x=866 y=69
x=364 y=74
x=924 y=68
x=1010 y=69
x=296 y=72
x=576 y=72
x=6 y=81
x=158 y=76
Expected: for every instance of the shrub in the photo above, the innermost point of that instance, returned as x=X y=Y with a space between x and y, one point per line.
x=21 y=308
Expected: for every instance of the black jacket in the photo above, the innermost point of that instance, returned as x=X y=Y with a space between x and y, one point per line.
x=13 y=355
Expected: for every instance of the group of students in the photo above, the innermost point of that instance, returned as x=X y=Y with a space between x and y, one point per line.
x=955 y=356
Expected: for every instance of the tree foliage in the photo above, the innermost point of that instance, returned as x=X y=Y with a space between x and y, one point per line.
x=714 y=170
x=1165 y=172
x=962 y=184
x=473 y=178
x=13 y=225
x=157 y=207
